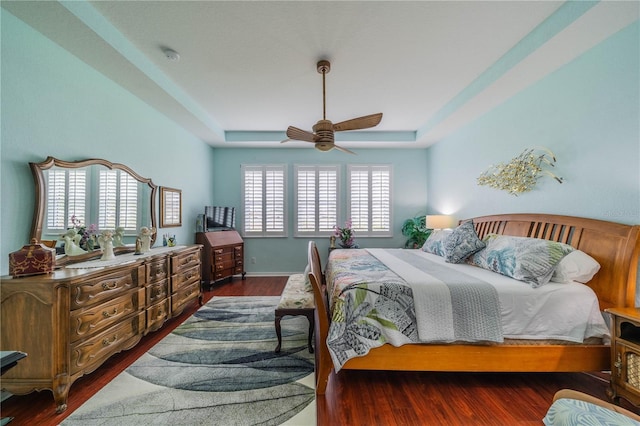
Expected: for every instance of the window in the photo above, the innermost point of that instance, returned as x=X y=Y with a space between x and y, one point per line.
x=369 y=199
x=117 y=200
x=316 y=200
x=61 y=207
x=68 y=192
x=264 y=200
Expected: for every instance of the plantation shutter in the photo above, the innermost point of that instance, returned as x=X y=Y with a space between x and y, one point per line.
x=107 y=200
x=66 y=196
x=369 y=199
x=128 y=208
x=264 y=200
x=316 y=199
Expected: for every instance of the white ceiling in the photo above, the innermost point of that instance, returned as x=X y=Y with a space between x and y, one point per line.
x=247 y=69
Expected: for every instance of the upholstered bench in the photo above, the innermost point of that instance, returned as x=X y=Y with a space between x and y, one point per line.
x=296 y=299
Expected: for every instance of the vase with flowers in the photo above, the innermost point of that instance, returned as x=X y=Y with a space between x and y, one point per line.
x=345 y=234
x=86 y=236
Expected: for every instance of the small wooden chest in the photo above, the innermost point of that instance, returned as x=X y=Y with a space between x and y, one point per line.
x=32 y=259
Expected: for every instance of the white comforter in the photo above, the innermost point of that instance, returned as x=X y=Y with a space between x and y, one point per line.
x=553 y=311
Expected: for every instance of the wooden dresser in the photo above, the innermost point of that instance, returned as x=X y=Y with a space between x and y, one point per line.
x=223 y=255
x=71 y=321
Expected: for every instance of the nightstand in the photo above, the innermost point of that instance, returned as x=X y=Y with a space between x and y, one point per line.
x=625 y=355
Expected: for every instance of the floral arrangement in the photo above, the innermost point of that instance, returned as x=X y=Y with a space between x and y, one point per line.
x=86 y=234
x=346 y=234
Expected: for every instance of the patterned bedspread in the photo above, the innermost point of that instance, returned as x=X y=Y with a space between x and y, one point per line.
x=372 y=296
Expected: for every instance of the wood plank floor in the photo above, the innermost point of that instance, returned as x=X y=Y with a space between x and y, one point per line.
x=357 y=397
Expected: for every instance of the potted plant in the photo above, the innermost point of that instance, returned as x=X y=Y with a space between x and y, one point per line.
x=415 y=229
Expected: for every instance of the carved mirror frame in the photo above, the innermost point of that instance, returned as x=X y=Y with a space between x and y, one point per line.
x=37 y=169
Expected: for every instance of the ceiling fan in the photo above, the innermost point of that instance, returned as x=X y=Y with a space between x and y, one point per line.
x=323 y=130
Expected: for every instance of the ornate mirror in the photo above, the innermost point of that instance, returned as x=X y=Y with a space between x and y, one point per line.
x=90 y=196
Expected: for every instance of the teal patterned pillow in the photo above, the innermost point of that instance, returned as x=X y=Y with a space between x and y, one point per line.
x=531 y=260
x=462 y=243
x=435 y=241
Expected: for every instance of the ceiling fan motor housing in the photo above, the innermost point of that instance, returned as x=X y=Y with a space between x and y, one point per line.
x=324 y=131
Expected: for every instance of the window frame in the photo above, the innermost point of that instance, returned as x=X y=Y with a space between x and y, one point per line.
x=263 y=169
x=317 y=170
x=370 y=168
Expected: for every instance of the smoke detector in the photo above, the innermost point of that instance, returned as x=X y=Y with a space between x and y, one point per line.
x=171 y=54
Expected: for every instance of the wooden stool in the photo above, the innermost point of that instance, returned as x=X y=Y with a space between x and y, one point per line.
x=296 y=299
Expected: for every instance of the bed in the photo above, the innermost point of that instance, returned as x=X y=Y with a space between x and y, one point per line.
x=614 y=246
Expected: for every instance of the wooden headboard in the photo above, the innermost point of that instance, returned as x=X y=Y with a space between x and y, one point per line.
x=615 y=246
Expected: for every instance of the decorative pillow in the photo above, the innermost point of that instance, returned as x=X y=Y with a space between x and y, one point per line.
x=576 y=266
x=462 y=243
x=531 y=260
x=435 y=240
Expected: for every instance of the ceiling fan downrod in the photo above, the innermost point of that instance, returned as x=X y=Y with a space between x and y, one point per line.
x=323 y=68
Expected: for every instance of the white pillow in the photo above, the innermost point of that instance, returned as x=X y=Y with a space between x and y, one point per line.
x=576 y=266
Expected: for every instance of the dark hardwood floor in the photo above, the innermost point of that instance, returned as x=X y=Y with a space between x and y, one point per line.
x=357 y=397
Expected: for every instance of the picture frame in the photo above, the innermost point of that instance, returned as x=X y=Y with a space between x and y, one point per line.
x=170 y=207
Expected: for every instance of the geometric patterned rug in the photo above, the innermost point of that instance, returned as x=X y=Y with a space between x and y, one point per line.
x=217 y=368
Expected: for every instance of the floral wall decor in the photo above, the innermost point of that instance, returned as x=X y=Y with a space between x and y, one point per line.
x=522 y=173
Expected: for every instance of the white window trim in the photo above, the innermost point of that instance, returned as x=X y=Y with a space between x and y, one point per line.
x=263 y=168
x=370 y=168
x=317 y=169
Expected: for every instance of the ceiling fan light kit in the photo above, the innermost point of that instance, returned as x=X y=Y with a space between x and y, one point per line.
x=323 y=130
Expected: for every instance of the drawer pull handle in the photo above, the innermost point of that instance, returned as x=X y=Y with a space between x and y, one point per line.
x=107 y=314
x=107 y=342
x=109 y=286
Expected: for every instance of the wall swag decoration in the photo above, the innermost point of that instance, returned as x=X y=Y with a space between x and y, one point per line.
x=521 y=174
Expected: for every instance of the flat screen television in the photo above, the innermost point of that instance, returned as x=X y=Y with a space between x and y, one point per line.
x=219 y=218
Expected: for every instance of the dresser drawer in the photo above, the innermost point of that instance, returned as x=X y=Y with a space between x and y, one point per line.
x=185 y=260
x=185 y=277
x=228 y=272
x=223 y=257
x=104 y=287
x=84 y=322
x=93 y=352
x=157 y=291
x=183 y=296
x=157 y=271
x=225 y=265
x=157 y=315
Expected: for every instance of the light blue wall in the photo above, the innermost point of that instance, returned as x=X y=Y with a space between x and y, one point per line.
x=587 y=113
x=285 y=255
x=54 y=104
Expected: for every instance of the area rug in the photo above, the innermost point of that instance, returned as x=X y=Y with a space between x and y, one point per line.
x=217 y=368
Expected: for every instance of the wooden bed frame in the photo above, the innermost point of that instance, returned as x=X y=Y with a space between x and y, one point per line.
x=615 y=246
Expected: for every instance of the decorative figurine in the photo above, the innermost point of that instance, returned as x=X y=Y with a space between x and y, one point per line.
x=118 y=237
x=332 y=241
x=145 y=237
x=71 y=248
x=138 y=246
x=106 y=242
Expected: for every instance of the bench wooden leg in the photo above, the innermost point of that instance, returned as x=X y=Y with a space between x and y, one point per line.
x=309 y=313
x=278 y=332
x=310 y=317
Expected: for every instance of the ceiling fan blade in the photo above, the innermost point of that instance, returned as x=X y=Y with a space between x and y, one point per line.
x=358 y=123
x=300 y=135
x=339 y=148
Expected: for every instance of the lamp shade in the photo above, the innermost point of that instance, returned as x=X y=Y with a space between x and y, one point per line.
x=440 y=221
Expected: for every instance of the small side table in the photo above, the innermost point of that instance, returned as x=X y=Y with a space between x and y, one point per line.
x=8 y=360
x=625 y=355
